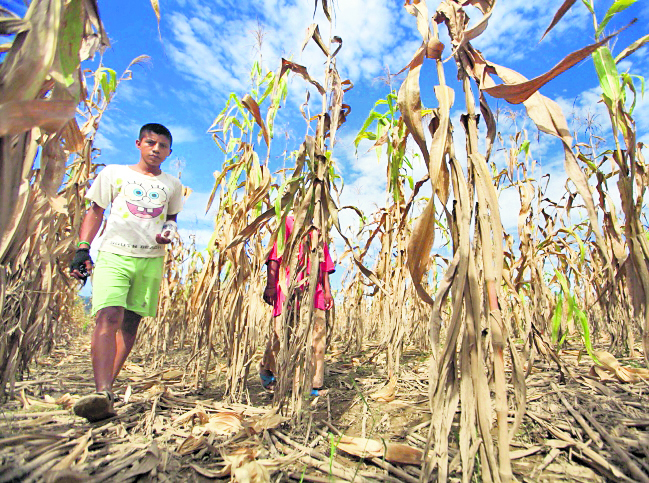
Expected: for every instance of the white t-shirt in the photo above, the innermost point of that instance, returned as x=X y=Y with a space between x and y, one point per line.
x=139 y=207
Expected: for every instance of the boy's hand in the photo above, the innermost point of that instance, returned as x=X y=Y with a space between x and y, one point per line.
x=168 y=232
x=270 y=295
x=81 y=264
x=328 y=300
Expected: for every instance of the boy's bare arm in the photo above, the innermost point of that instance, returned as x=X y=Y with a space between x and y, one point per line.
x=91 y=223
x=270 y=292
x=328 y=298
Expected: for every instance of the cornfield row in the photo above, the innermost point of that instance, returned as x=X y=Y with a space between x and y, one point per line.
x=489 y=309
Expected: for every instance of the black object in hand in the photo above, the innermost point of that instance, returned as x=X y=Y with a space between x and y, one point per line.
x=78 y=263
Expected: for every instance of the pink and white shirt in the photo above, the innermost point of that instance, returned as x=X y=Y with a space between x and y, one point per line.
x=326 y=266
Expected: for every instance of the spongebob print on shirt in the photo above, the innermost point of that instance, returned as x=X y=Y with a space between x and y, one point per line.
x=145 y=201
x=139 y=206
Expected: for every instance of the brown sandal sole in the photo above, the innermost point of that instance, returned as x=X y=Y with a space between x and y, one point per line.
x=95 y=407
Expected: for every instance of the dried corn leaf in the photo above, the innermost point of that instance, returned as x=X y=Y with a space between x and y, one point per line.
x=404 y=454
x=302 y=72
x=20 y=116
x=409 y=101
x=172 y=374
x=224 y=423
x=392 y=452
x=146 y=464
x=610 y=367
x=67 y=476
x=198 y=414
x=559 y=15
x=361 y=447
x=253 y=107
x=520 y=92
x=207 y=473
x=84 y=442
x=388 y=392
x=191 y=445
x=270 y=420
x=251 y=472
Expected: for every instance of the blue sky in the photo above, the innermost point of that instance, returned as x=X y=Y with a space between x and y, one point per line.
x=207 y=49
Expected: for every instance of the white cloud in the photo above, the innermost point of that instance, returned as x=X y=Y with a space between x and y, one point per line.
x=217 y=52
x=103 y=143
x=194 y=209
x=183 y=134
x=200 y=237
x=516 y=26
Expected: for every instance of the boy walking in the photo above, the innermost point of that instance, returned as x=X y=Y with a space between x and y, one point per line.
x=144 y=203
x=323 y=301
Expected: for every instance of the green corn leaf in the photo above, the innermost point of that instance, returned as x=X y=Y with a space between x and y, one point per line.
x=232 y=144
x=632 y=48
x=112 y=80
x=607 y=73
x=556 y=319
x=580 y=317
x=617 y=7
x=267 y=92
x=589 y=6
x=563 y=282
x=368 y=122
x=104 y=85
x=227 y=122
x=627 y=80
x=70 y=41
x=364 y=135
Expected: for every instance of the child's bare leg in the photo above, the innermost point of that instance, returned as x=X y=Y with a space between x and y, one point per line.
x=104 y=346
x=125 y=338
x=269 y=361
x=319 y=346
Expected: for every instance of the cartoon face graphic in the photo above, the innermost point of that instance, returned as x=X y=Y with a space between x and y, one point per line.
x=145 y=200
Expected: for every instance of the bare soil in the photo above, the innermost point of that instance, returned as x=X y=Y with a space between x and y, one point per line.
x=577 y=427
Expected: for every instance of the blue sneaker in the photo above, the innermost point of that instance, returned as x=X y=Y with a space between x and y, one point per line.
x=267 y=380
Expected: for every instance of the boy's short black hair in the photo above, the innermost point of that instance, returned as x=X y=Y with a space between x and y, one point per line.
x=156 y=129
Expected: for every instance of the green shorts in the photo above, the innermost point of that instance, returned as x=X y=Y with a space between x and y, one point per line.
x=129 y=282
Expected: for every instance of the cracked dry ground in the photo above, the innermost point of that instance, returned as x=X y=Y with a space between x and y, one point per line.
x=582 y=427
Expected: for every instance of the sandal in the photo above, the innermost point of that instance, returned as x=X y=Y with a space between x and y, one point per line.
x=267 y=379
x=318 y=391
x=95 y=407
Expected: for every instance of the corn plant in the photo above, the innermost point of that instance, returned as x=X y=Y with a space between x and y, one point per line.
x=42 y=205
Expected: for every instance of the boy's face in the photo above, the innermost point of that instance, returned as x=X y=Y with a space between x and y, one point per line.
x=154 y=148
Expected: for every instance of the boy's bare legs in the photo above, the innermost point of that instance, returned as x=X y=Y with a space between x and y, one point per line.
x=103 y=347
x=112 y=341
x=319 y=346
x=125 y=338
x=269 y=361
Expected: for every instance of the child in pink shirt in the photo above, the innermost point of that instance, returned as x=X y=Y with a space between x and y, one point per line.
x=323 y=301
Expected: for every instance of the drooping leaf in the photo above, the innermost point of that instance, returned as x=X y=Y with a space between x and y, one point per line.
x=565 y=6
x=302 y=72
x=519 y=92
x=253 y=107
x=617 y=7
x=632 y=48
